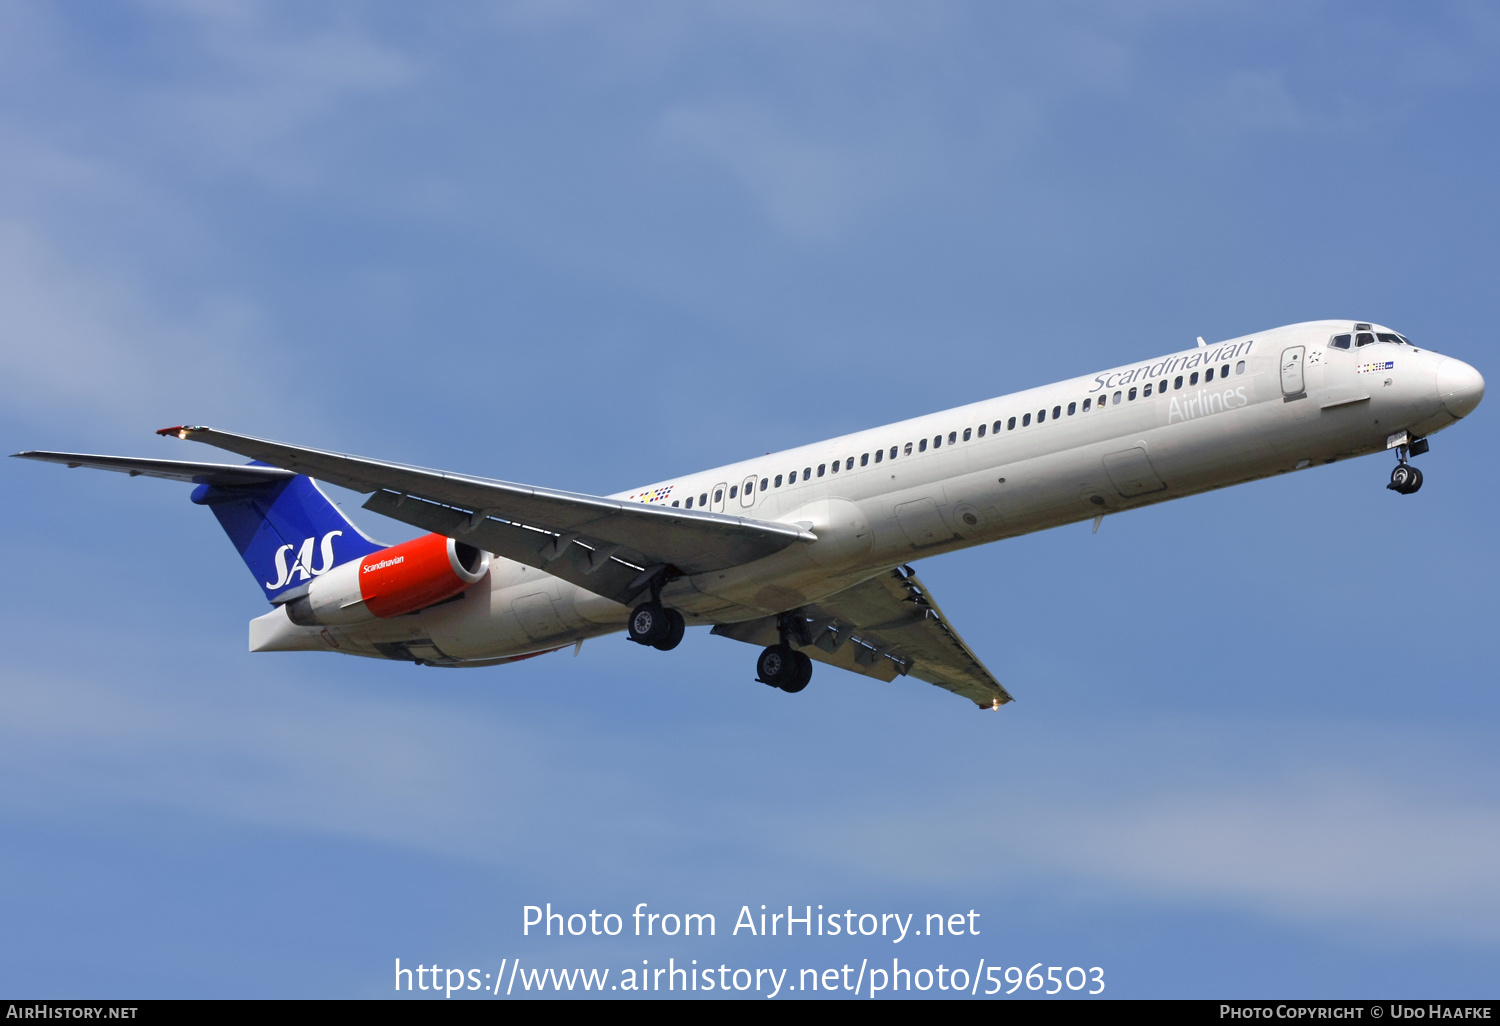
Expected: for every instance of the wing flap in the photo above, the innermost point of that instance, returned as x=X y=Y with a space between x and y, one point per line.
x=885 y=627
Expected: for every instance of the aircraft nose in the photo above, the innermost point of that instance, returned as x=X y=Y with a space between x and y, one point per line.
x=1460 y=387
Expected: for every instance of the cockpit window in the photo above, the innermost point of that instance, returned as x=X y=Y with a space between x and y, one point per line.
x=1341 y=341
x=1364 y=338
x=1393 y=339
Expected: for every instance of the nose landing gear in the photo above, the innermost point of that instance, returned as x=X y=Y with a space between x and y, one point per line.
x=1406 y=478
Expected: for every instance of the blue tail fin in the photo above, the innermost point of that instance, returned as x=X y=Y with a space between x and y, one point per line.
x=287 y=531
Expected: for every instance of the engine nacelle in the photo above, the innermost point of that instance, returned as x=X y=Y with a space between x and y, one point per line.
x=399 y=579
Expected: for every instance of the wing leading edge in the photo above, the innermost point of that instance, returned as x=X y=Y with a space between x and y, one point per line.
x=885 y=627
x=608 y=546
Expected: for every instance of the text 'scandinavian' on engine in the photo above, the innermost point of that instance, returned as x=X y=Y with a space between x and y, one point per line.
x=805 y=552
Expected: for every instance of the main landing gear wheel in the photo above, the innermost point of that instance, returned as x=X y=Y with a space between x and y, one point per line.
x=650 y=624
x=676 y=625
x=783 y=668
x=1405 y=479
x=804 y=674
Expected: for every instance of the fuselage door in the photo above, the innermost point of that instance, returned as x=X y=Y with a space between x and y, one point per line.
x=716 y=497
x=1292 y=360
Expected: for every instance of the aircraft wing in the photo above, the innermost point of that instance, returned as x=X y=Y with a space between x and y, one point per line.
x=609 y=546
x=226 y=474
x=885 y=627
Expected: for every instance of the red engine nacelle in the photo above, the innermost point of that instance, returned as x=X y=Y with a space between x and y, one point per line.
x=400 y=579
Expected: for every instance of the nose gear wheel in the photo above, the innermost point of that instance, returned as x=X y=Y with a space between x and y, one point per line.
x=1405 y=479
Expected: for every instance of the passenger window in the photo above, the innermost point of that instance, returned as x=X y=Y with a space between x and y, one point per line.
x=864 y=460
x=1132 y=394
x=1208 y=376
x=1340 y=341
x=1364 y=338
x=981 y=430
x=790 y=478
x=879 y=455
x=937 y=442
x=1239 y=368
x=1072 y=409
x=922 y=445
x=952 y=437
x=1056 y=412
x=734 y=492
x=1041 y=415
x=764 y=483
x=689 y=502
x=1145 y=391
x=995 y=427
x=820 y=468
x=1026 y=420
x=778 y=480
x=1101 y=400
x=1224 y=370
x=850 y=464
x=1192 y=379
x=1086 y=403
x=1010 y=425
x=718 y=495
x=1116 y=399
x=834 y=466
x=894 y=450
x=703 y=499
x=968 y=433
x=1178 y=382
x=807 y=473
x=674 y=504
x=908 y=448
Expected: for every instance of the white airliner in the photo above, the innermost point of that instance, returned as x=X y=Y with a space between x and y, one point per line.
x=803 y=552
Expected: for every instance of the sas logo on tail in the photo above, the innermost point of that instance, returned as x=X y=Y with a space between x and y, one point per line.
x=302 y=568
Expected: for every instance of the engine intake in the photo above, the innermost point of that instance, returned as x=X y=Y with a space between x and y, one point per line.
x=396 y=580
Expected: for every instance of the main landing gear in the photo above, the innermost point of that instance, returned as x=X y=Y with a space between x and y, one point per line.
x=782 y=666
x=1406 y=478
x=653 y=624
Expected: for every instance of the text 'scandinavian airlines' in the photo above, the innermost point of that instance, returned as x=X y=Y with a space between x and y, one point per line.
x=802 y=552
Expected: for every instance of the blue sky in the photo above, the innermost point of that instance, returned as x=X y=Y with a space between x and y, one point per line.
x=594 y=245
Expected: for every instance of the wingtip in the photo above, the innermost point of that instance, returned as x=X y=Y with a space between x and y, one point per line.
x=180 y=430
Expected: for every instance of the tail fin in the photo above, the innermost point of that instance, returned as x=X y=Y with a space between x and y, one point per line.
x=287 y=531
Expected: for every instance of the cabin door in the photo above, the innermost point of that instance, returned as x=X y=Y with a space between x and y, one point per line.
x=1293 y=360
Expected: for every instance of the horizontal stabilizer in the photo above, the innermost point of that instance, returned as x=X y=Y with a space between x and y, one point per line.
x=221 y=474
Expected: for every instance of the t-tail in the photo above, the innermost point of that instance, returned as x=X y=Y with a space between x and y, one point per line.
x=287 y=531
x=305 y=554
